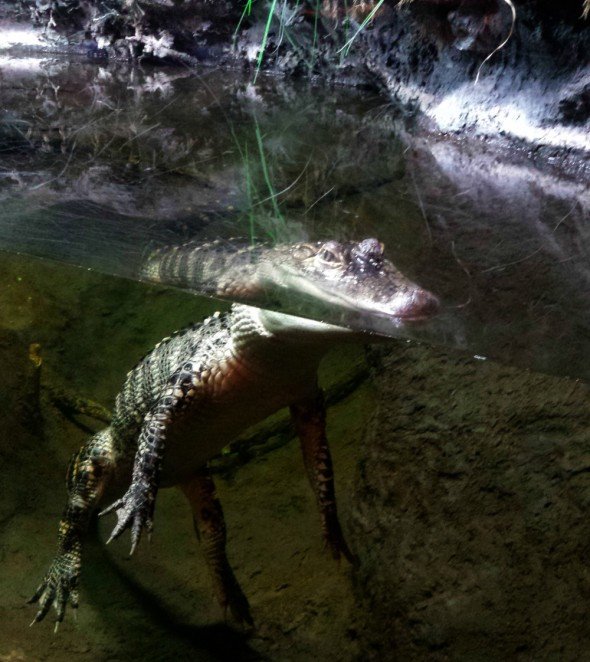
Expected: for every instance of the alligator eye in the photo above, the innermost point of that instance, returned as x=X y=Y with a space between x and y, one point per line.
x=330 y=253
x=327 y=255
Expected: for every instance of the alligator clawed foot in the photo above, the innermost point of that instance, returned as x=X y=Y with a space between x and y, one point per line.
x=134 y=512
x=336 y=543
x=57 y=588
x=231 y=597
x=239 y=607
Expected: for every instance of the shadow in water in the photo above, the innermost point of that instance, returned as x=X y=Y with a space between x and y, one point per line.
x=139 y=625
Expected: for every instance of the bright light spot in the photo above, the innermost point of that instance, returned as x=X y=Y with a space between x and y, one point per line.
x=469 y=107
x=10 y=37
x=252 y=52
x=449 y=112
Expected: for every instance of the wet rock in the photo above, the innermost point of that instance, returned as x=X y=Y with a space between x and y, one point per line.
x=474 y=538
x=575 y=108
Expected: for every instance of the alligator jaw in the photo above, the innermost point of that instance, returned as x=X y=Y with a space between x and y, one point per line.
x=410 y=304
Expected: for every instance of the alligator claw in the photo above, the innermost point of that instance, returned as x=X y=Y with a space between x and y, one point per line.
x=57 y=588
x=135 y=512
x=238 y=606
x=336 y=542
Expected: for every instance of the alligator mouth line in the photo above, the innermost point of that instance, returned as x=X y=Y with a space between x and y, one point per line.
x=415 y=318
x=294 y=283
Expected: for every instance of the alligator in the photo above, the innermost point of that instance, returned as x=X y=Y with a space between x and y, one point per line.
x=200 y=388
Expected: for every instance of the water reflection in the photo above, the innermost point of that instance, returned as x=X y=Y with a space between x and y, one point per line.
x=101 y=164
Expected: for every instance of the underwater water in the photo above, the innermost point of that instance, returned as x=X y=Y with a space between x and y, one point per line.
x=452 y=472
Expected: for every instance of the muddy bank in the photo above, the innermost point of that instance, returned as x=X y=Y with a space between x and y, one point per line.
x=534 y=89
x=485 y=67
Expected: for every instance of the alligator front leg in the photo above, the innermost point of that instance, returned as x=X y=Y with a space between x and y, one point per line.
x=135 y=510
x=88 y=475
x=309 y=418
x=210 y=528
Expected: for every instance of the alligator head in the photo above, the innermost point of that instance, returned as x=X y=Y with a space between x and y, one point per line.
x=354 y=276
x=338 y=281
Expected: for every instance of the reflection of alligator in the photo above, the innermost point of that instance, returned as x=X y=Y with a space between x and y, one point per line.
x=197 y=390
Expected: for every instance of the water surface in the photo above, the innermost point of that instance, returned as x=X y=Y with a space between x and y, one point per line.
x=100 y=163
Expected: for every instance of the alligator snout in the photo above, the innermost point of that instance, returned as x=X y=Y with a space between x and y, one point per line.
x=419 y=305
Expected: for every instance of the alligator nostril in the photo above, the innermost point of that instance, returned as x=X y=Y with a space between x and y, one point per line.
x=428 y=303
x=423 y=304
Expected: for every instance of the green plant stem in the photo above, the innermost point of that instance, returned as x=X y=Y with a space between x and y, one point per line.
x=362 y=26
x=265 y=172
x=271 y=12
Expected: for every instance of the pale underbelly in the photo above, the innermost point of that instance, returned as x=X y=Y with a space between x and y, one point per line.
x=201 y=434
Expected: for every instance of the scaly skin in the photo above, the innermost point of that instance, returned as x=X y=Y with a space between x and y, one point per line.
x=309 y=419
x=210 y=529
x=88 y=475
x=197 y=390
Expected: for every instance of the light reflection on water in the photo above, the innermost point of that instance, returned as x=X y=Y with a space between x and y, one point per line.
x=100 y=163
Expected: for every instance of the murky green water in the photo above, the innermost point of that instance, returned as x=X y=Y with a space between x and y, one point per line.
x=99 y=164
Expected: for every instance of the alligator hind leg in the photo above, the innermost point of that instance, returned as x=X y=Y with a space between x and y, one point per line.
x=88 y=475
x=210 y=529
x=309 y=418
